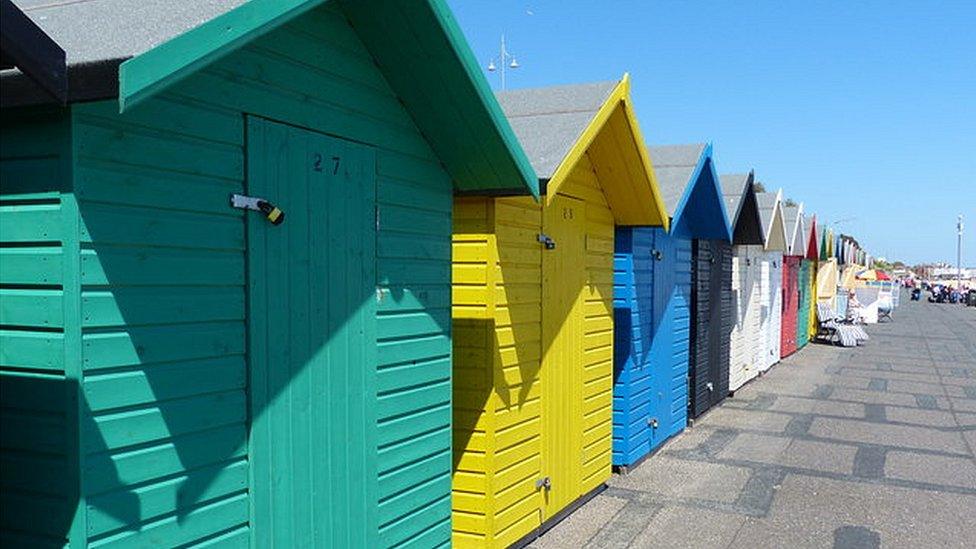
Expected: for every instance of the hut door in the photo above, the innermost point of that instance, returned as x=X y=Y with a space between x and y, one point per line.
x=311 y=328
x=700 y=382
x=563 y=277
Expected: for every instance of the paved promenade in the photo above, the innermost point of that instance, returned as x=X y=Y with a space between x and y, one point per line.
x=844 y=448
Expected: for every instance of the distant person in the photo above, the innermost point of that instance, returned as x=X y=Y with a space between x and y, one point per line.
x=853 y=307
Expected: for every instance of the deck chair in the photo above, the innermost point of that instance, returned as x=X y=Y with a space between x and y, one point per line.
x=854 y=322
x=830 y=327
x=886 y=305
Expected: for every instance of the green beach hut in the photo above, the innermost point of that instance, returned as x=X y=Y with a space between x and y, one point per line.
x=183 y=364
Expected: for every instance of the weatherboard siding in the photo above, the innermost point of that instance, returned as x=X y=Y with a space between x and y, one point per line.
x=497 y=315
x=163 y=285
x=633 y=395
x=497 y=349
x=38 y=392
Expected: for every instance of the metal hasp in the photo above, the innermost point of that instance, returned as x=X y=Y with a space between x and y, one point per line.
x=24 y=45
x=544 y=482
x=270 y=211
x=548 y=242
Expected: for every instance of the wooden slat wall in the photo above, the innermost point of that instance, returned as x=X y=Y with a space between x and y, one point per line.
x=633 y=395
x=517 y=292
x=163 y=269
x=497 y=346
x=474 y=250
x=38 y=475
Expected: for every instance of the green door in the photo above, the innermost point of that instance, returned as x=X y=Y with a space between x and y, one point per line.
x=311 y=315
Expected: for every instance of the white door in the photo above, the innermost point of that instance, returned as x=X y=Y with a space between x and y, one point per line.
x=745 y=365
x=775 y=260
x=766 y=315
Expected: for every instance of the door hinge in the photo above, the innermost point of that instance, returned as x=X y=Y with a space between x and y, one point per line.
x=544 y=482
x=548 y=242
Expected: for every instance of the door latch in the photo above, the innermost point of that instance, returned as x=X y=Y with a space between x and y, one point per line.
x=548 y=242
x=710 y=386
x=544 y=482
x=657 y=254
x=652 y=423
x=271 y=212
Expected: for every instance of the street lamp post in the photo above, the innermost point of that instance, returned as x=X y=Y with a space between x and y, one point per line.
x=959 y=254
x=503 y=61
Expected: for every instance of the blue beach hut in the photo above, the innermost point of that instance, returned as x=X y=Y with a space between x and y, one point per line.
x=653 y=303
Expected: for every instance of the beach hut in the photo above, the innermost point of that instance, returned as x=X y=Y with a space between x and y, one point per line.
x=828 y=277
x=226 y=272
x=811 y=260
x=739 y=193
x=653 y=304
x=533 y=313
x=790 y=283
x=805 y=283
x=711 y=274
x=771 y=277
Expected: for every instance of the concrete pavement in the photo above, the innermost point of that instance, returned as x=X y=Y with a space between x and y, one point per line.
x=844 y=448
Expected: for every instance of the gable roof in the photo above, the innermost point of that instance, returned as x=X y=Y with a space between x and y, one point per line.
x=735 y=192
x=24 y=46
x=549 y=121
x=739 y=193
x=690 y=189
x=133 y=50
x=98 y=35
x=771 y=215
x=674 y=166
x=557 y=125
x=800 y=237
x=792 y=216
x=813 y=242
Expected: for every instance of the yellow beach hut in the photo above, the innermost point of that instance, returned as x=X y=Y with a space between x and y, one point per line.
x=532 y=313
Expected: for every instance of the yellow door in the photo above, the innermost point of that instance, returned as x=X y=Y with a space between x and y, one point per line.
x=563 y=277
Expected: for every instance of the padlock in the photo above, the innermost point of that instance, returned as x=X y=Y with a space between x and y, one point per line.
x=270 y=211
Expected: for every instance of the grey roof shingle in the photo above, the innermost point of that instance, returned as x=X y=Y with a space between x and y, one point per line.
x=673 y=167
x=802 y=235
x=790 y=215
x=96 y=31
x=767 y=203
x=549 y=121
x=733 y=185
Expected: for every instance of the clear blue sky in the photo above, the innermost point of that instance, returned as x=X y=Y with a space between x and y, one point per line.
x=863 y=110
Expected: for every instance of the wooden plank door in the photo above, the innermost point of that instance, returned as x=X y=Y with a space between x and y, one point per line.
x=671 y=331
x=723 y=317
x=700 y=384
x=563 y=276
x=311 y=325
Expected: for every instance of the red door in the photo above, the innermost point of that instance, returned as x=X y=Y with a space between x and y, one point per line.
x=791 y=302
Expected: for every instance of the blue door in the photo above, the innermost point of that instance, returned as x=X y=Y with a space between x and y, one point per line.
x=652 y=295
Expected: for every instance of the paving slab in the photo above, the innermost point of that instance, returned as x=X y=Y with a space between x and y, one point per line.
x=578 y=528
x=846 y=448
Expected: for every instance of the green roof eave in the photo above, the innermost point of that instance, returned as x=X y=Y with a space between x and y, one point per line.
x=426 y=59
x=421 y=52
x=170 y=62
